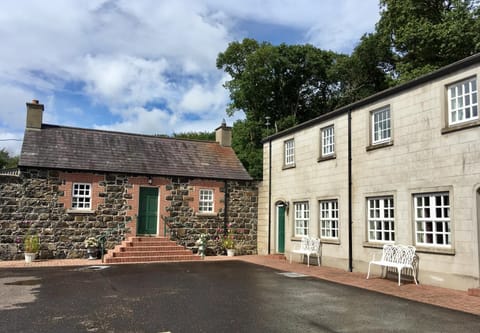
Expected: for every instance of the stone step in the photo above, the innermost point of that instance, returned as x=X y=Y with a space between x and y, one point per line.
x=162 y=243
x=148 y=249
x=165 y=258
x=177 y=252
x=148 y=239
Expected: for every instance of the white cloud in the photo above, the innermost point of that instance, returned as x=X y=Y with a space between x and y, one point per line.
x=11 y=141
x=202 y=97
x=150 y=63
x=125 y=80
x=154 y=121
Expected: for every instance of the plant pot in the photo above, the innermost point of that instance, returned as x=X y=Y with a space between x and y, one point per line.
x=230 y=252
x=92 y=253
x=29 y=257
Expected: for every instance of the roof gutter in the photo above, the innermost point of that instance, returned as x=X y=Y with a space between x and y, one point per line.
x=269 y=193
x=350 y=222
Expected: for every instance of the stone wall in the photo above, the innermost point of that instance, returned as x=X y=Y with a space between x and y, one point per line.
x=32 y=204
x=29 y=205
x=185 y=225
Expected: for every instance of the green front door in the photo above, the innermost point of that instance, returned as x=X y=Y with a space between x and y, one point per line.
x=147 y=212
x=281 y=228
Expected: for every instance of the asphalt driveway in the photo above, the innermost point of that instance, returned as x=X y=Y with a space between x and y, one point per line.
x=228 y=296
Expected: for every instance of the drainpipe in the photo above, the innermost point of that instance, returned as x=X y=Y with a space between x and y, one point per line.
x=225 y=214
x=269 y=192
x=350 y=222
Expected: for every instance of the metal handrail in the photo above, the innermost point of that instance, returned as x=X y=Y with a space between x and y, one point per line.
x=102 y=239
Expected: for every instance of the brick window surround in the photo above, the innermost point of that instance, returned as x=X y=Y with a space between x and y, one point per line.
x=67 y=186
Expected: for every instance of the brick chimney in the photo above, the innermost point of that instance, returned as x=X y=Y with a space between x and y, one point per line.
x=34 y=114
x=223 y=135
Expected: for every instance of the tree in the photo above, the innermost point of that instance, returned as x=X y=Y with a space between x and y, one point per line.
x=428 y=34
x=7 y=161
x=203 y=136
x=289 y=84
x=367 y=71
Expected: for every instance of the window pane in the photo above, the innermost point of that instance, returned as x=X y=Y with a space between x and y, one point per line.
x=463 y=104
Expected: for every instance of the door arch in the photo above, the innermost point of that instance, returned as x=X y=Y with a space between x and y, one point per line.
x=281 y=210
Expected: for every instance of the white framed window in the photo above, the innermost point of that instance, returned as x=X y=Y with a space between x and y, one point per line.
x=289 y=152
x=328 y=141
x=462 y=101
x=381 y=219
x=302 y=218
x=329 y=219
x=82 y=196
x=205 y=203
x=432 y=219
x=381 y=126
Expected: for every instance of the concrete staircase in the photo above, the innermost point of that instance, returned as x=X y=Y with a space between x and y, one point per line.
x=148 y=249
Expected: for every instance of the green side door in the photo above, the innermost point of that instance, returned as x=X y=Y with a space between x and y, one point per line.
x=281 y=229
x=148 y=211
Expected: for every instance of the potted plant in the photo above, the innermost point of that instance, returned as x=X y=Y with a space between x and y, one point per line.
x=229 y=243
x=91 y=243
x=31 y=245
x=202 y=245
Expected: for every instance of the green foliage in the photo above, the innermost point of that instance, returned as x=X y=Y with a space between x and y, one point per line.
x=246 y=141
x=290 y=84
x=7 y=161
x=279 y=81
x=367 y=71
x=426 y=35
x=204 y=136
x=31 y=243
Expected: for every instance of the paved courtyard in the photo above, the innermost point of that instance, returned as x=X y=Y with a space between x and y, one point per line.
x=208 y=296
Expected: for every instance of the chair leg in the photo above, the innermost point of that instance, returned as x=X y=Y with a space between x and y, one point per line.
x=414 y=277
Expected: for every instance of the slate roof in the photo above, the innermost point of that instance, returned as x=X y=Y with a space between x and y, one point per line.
x=71 y=148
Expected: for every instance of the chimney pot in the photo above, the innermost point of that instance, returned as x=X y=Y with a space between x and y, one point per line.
x=34 y=114
x=223 y=135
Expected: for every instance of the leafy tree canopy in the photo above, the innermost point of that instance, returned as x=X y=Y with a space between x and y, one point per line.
x=204 y=136
x=428 y=34
x=7 y=161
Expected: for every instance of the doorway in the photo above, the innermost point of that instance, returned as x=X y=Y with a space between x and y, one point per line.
x=280 y=228
x=148 y=211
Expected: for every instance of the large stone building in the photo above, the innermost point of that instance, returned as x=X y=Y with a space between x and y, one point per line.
x=76 y=183
x=401 y=166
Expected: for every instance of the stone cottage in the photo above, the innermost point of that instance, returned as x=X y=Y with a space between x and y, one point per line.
x=76 y=183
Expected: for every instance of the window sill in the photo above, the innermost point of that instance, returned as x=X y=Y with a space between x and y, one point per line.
x=296 y=239
x=375 y=245
x=290 y=166
x=330 y=241
x=80 y=211
x=379 y=145
x=433 y=250
x=326 y=158
x=460 y=127
x=200 y=214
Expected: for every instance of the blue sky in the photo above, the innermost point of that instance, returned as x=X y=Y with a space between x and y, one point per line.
x=147 y=66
